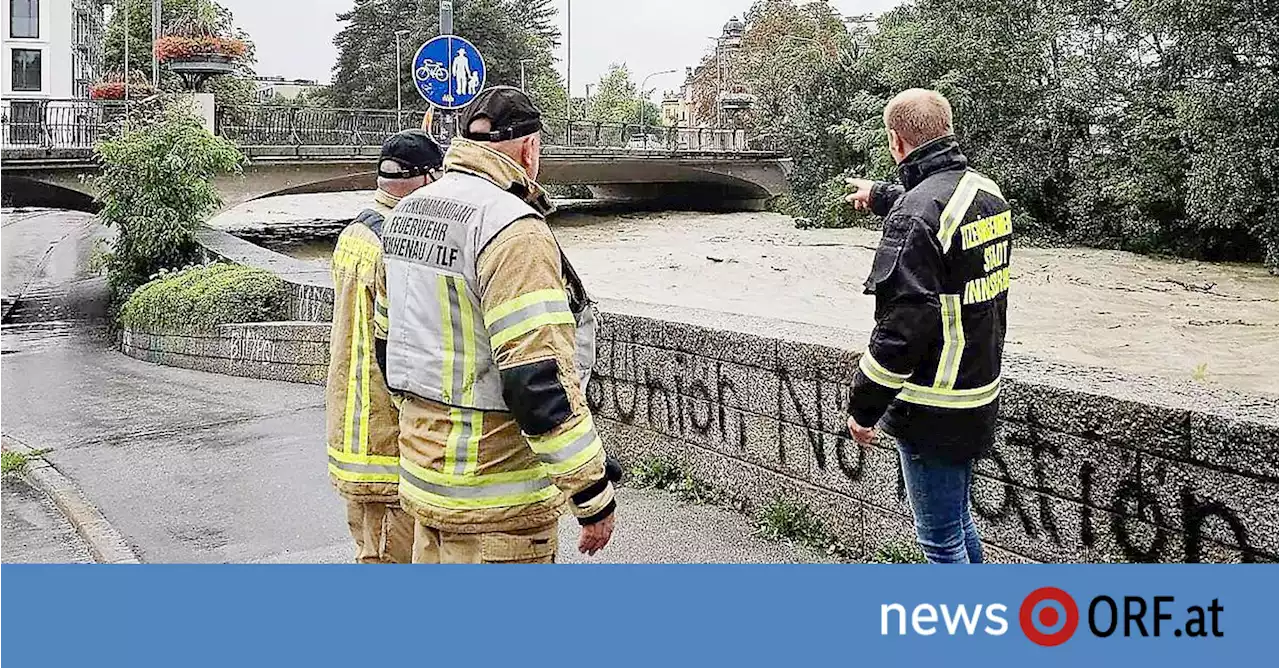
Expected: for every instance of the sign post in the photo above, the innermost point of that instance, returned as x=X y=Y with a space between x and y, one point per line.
x=448 y=71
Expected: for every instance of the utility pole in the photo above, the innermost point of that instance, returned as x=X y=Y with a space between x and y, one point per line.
x=126 y=64
x=155 y=37
x=446 y=17
x=399 y=84
x=447 y=119
x=586 y=102
x=568 y=72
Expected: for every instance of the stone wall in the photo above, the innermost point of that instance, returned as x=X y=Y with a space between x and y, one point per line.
x=296 y=352
x=1089 y=467
x=1124 y=470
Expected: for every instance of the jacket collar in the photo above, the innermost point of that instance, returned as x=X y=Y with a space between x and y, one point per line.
x=931 y=157
x=383 y=198
x=476 y=159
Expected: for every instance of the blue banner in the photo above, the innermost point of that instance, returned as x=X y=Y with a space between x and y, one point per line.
x=1165 y=615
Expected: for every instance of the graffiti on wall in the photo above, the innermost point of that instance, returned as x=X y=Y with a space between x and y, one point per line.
x=1041 y=492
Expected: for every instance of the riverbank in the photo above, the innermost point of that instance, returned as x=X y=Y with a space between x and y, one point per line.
x=1184 y=321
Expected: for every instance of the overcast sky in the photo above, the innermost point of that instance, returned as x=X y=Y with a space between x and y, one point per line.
x=294 y=38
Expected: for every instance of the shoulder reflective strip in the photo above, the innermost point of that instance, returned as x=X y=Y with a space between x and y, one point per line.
x=953 y=213
x=880 y=375
x=940 y=398
x=524 y=327
x=952 y=342
x=489 y=495
x=988 y=185
x=507 y=308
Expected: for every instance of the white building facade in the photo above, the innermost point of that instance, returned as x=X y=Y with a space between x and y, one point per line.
x=52 y=48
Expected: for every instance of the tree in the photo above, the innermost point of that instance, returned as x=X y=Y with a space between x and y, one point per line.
x=1147 y=126
x=228 y=90
x=617 y=99
x=505 y=32
x=156 y=189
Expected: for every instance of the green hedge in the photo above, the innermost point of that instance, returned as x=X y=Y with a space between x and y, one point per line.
x=201 y=298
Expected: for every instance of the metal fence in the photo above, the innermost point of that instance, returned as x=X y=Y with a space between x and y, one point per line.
x=56 y=123
x=78 y=123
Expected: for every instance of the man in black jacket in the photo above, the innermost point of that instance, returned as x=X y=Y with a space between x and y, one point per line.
x=931 y=372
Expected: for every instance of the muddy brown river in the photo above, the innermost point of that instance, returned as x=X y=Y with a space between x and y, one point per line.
x=1185 y=321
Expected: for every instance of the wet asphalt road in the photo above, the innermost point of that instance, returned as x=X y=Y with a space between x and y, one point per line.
x=197 y=467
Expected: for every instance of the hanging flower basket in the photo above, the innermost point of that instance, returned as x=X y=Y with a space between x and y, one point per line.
x=118 y=90
x=207 y=48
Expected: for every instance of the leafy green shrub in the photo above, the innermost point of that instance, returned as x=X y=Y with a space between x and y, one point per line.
x=201 y=298
x=156 y=189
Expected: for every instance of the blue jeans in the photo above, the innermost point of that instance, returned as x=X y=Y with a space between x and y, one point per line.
x=939 y=494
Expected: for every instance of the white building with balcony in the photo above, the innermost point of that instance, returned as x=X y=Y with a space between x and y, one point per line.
x=52 y=48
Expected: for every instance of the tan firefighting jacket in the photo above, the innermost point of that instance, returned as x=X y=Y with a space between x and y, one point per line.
x=469 y=470
x=363 y=424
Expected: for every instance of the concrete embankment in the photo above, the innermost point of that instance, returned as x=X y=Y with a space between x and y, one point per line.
x=1090 y=466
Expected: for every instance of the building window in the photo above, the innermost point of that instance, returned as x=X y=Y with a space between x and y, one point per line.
x=24 y=18
x=26 y=70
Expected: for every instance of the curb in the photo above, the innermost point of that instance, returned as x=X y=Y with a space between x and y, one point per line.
x=106 y=544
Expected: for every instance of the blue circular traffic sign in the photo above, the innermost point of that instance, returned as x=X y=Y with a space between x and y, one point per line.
x=448 y=71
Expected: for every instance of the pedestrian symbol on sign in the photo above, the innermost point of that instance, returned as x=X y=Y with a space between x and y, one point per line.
x=448 y=71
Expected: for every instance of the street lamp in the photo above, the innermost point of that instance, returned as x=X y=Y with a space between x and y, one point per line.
x=524 y=78
x=645 y=80
x=568 y=72
x=399 y=87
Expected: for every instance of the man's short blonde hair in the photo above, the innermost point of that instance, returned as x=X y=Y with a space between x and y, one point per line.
x=918 y=115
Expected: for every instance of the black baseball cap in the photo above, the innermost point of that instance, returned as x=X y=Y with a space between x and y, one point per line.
x=414 y=150
x=510 y=112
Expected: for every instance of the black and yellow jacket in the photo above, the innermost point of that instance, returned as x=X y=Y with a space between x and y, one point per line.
x=940 y=278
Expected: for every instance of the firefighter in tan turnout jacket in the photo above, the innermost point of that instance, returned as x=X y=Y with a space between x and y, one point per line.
x=363 y=424
x=491 y=340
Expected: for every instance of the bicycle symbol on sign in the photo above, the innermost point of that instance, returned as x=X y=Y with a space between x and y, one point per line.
x=431 y=69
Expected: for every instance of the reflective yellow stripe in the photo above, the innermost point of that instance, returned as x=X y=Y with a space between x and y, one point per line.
x=494 y=490
x=953 y=214
x=952 y=342
x=526 y=326
x=363 y=468
x=470 y=457
x=366 y=362
x=446 y=330
x=355 y=419
x=379 y=460
x=566 y=452
x=950 y=398
x=877 y=373
x=507 y=308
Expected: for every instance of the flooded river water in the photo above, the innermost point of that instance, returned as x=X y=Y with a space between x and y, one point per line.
x=1186 y=321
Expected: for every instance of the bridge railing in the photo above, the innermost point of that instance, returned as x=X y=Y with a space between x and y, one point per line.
x=58 y=123
x=79 y=123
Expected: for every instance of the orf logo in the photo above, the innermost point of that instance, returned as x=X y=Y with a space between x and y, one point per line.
x=1049 y=616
